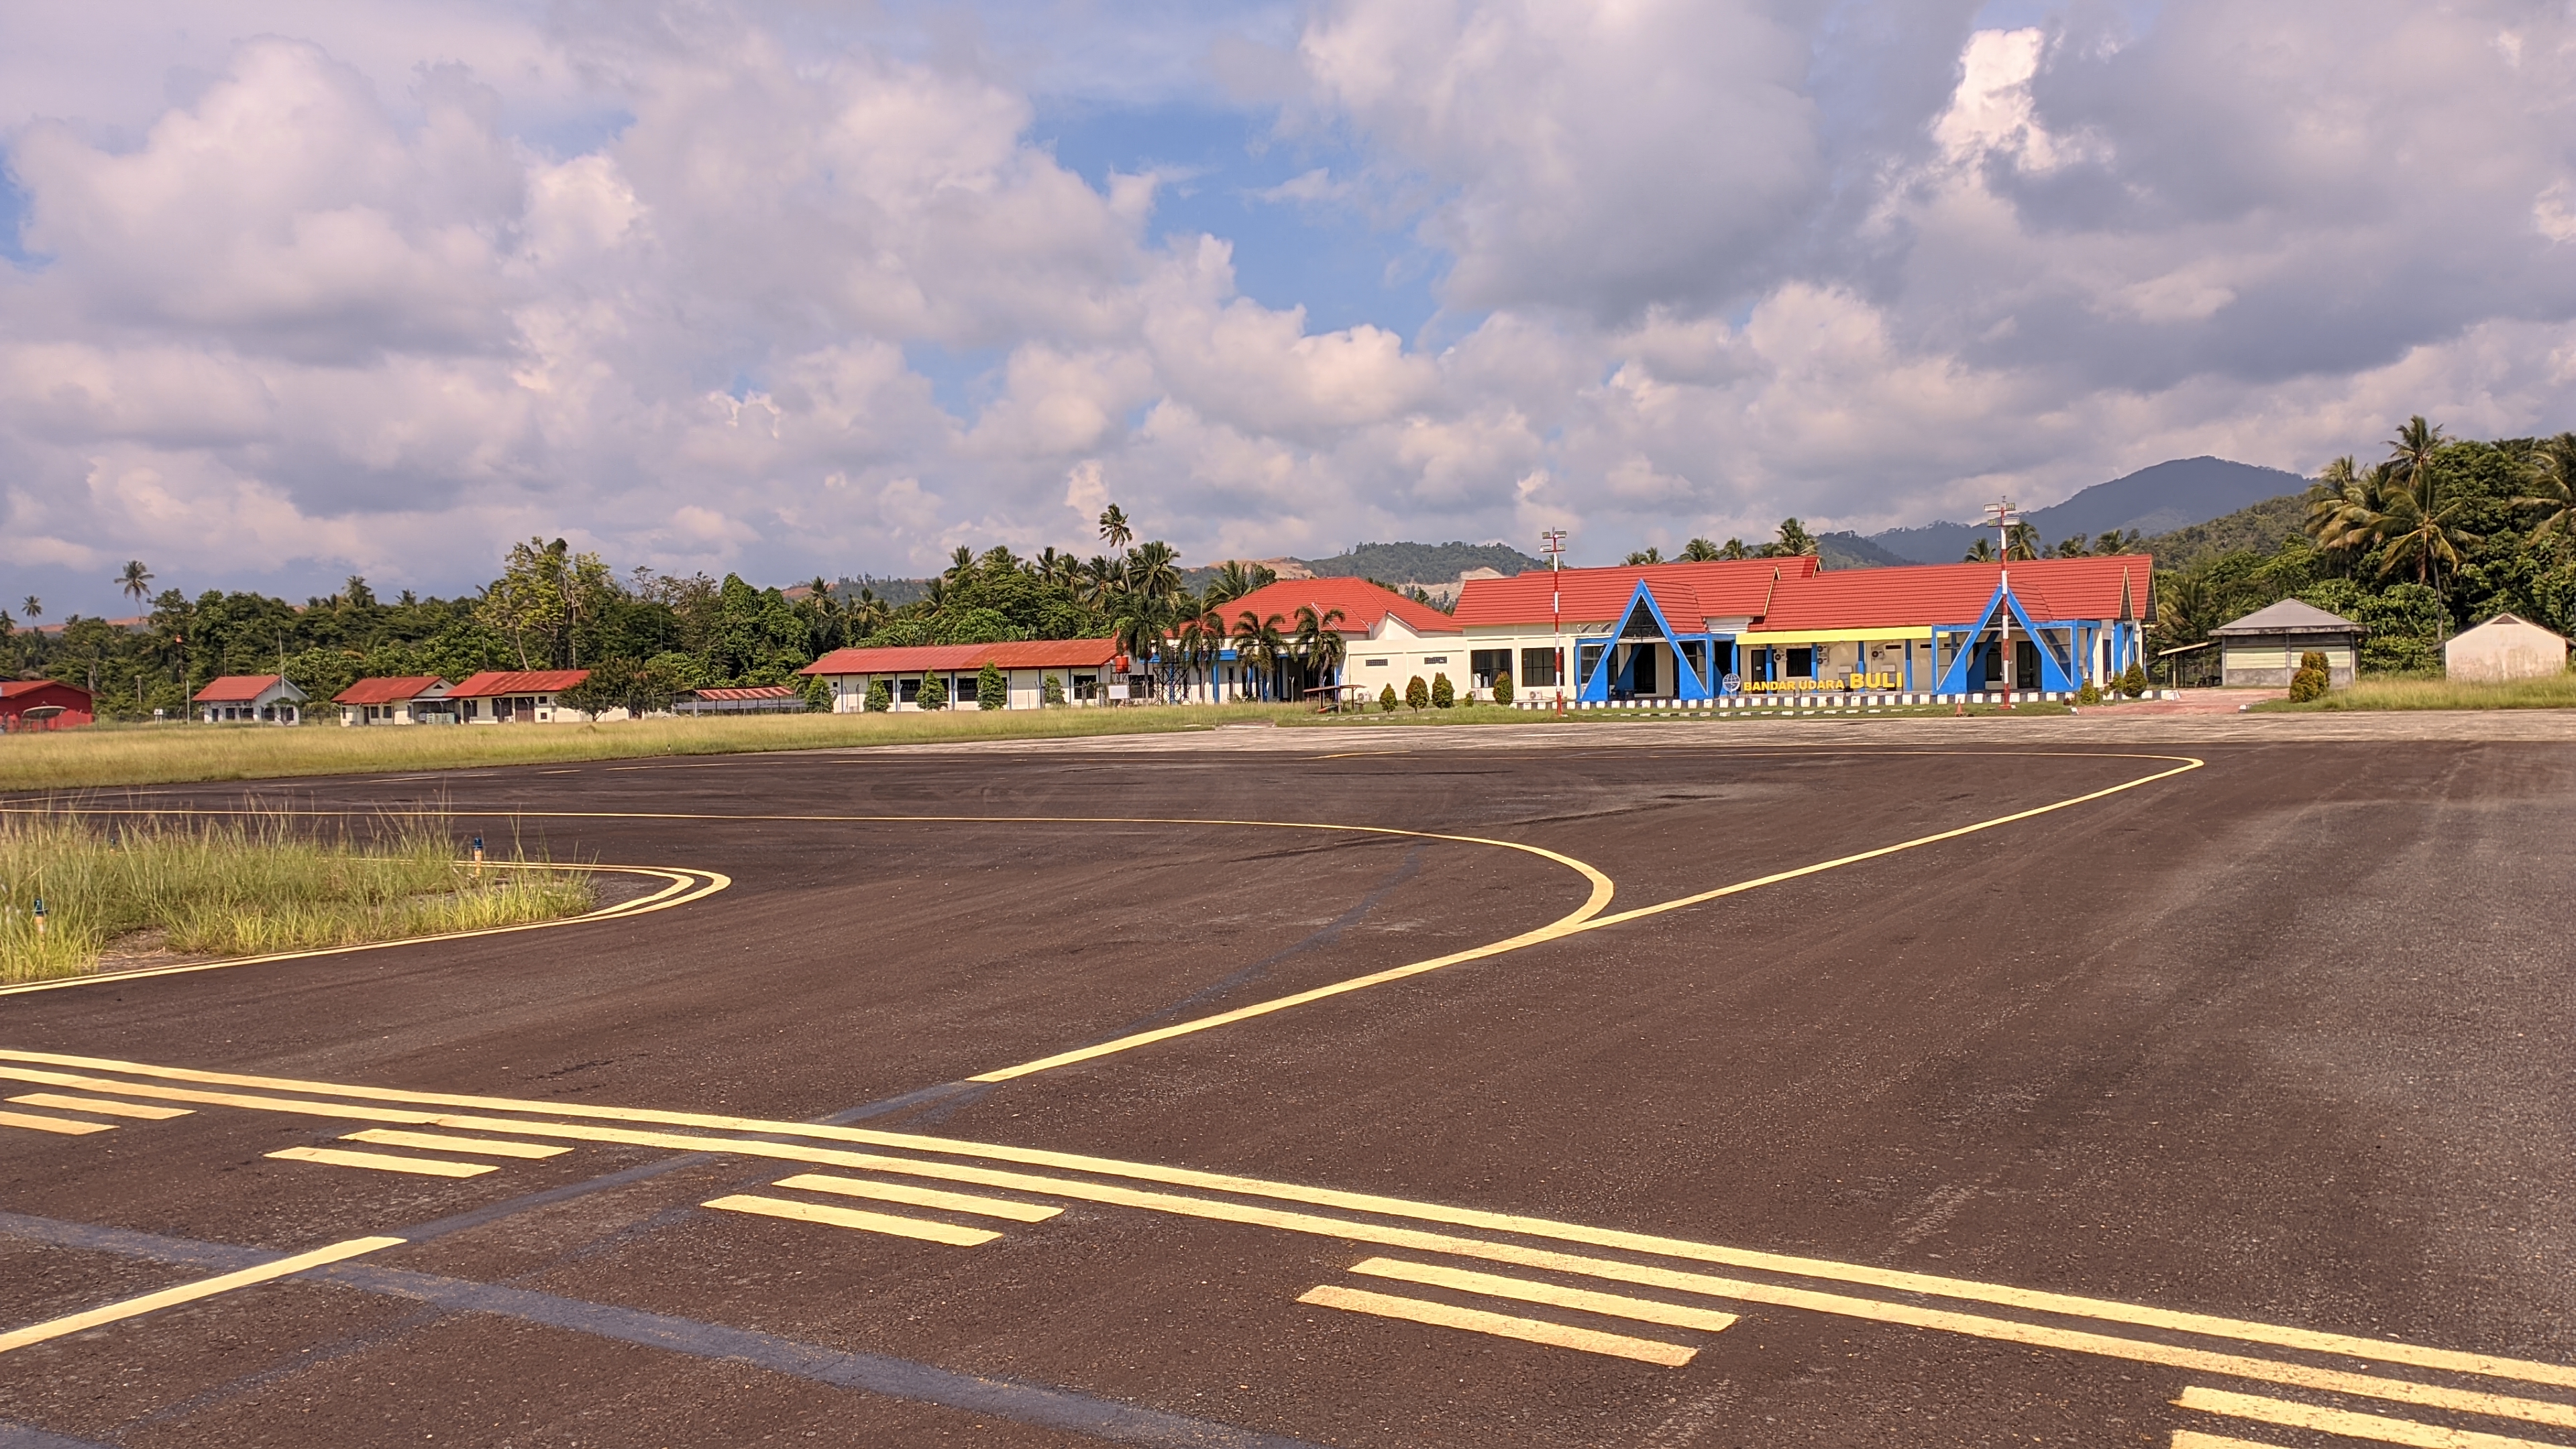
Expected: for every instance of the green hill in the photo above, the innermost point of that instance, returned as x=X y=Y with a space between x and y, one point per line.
x=1421 y=563
x=2259 y=528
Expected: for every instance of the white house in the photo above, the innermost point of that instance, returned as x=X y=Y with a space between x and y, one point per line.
x=396 y=699
x=527 y=696
x=2504 y=647
x=266 y=698
x=1085 y=671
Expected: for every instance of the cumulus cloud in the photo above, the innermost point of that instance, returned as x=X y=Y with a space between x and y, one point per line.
x=662 y=279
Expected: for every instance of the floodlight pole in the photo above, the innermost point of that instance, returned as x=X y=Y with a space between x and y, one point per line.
x=2001 y=511
x=1552 y=542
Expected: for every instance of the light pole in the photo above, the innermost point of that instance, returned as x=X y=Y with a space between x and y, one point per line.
x=2001 y=511
x=1552 y=542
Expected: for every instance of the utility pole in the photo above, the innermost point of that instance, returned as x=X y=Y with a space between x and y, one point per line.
x=2001 y=511
x=1552 y=542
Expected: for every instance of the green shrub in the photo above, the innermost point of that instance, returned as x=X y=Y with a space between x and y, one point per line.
x=1417 y=695
x=1444 y=695
x=2313 y=660
x=880 y=699
x=2088 y=694
x=1502 y=689
x=2133 y=680
x=1050 y=691
x=991 y=690
x=1386 y=700
x=2306 y=685
x=934 y=692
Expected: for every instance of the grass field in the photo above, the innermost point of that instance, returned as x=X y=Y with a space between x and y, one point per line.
x=164 y=754
x=243 y=887
x=2555 y=692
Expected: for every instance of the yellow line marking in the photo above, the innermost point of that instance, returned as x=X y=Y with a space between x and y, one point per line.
x=190 y=1292
x=866 y=1222
x=2341 y=1421
x=102 y=1106
x=385 y=1162
x=679 y=893
x=2190 y=1439
x=2275 y=1335
x=435 y=1141
x=1477 y=1320
x=63 y=1125
x=929 y=1197
x=1613 y=1305
x=1587 y=918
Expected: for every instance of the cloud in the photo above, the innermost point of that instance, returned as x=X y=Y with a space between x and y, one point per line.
x=384 y=287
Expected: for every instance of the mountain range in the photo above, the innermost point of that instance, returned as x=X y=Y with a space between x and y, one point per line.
x=2153 y=500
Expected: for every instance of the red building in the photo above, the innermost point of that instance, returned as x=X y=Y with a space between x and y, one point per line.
x=41 y=704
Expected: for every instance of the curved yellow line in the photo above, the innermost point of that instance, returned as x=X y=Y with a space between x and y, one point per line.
x=686 y=885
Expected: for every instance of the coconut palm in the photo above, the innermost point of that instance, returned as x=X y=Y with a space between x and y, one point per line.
x=1982 y=551
x=1234 y=579
x=2553 y=487
x=2023 y=542
x=1142 y=623
x=961 y=565
x=2343 y=506
x=1259 y=641
x=1700 y=550
x=2416 y=522
x=32 y=607
x=1647 y=555
x=1101 y=579
x=1154 y=568
x=2412 y=451
x=1114 y=529
x=1320 y=646
x=134 y=580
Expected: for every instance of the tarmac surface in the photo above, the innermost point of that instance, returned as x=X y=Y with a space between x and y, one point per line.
x=1684 y=1086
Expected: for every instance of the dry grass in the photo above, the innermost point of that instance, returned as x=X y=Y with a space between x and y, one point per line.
x=244 y=886
x=172 y=753
x=2388 y=693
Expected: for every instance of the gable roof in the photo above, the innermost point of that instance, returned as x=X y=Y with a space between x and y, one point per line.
x=748 y=692
x=2289 y=616
x=1364 y=605
x=2047 y=588
x=391 y=689
x=494 y=682
x=15 y=688
x=1688 y=593
x=241 y=688
x=2508 y=620
x=947 y=658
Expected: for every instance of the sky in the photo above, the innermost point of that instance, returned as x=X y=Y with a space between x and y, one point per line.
x=293 y=290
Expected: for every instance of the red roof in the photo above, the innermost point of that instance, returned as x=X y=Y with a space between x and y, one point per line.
x=19 y=688
x=236 y=688
x=751 y=691
x=394 y=689
x=2048 y=588
x=1363 y=605
x=492 y=682
x=1688 y=593
x=951 y=658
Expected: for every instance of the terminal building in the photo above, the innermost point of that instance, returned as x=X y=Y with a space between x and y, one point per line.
x=1691 y=632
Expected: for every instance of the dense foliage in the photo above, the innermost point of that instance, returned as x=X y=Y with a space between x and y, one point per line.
x=2441 y=535
x=646 y=636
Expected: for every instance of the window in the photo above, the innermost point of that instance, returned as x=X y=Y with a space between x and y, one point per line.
x=1484 y=664
x=1587 y=659
x=907 y=690
x=966 y=688
x=1695 y=652
x=1538 y=668
x=1802 y=663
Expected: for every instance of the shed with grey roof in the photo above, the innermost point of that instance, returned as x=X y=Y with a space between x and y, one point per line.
x=2262 y=649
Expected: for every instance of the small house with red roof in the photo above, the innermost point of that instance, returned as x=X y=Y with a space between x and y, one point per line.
x=1083 y=671
x=396 y=699
x=1700 y=631
x=28 y=705
x=250 y=698
x=518 y=696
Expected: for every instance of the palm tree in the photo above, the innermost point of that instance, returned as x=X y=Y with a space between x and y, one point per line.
x=961 y=564
x=1258 y=641
x=1154 y=568
x=1735 y=549
x=32 y=607
x=2024 y=542
x=1114 y=529
x=2417 y=524
x=1233 y=580
x=1144 y=621
x=134 y=580
x=1319 y=645
x=2414 y=448
x=1102 y=578
x=1982 y=551
x=1047 y=566
x=1700 y=550
x=1647 y=555
x=2343 y=505
x=2553 y=487
x=2076 y=545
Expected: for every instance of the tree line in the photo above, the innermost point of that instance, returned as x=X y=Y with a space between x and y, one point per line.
x=2438 y=535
